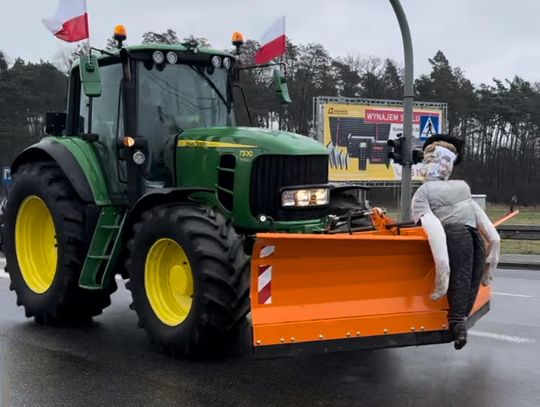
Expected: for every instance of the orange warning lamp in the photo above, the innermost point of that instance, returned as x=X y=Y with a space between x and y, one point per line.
x=238 y=40
x=119 y=35
x=128 y=141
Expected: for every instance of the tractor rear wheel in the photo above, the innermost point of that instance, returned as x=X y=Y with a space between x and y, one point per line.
x=45 y=251
x=189 y=278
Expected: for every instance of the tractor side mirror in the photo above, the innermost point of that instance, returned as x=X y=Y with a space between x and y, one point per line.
x=282 y=89
x=90 y=78
x=55 y=123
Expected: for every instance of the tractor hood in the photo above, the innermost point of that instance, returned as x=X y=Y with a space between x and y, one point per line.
x=247 y=168
x=266 y=141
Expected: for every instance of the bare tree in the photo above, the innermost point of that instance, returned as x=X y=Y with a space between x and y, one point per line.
x=66 y=56
x=167 y=37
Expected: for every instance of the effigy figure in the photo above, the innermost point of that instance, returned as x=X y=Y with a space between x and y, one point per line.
x=464 y=243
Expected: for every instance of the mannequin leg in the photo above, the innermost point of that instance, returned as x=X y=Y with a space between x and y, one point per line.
x=460 y=253
x=479 y=262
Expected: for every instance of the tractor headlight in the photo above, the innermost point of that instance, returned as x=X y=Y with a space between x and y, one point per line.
x=322 y=196
x=305 y=197
x=302 y=197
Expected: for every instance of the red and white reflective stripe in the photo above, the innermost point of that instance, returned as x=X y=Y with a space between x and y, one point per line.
x=265 y=285
x=264 y=282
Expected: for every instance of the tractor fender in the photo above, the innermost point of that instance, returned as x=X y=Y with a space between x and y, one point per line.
x=160 y=197
x=76 y=159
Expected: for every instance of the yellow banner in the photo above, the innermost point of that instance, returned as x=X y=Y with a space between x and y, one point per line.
x=356 y=138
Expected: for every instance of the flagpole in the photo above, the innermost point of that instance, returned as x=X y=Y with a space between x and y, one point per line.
x=282 y=59
x=90 y=98
x=88 y=29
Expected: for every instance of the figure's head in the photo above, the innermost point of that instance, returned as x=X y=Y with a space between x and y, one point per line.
x=439 y=158
x=441 y=153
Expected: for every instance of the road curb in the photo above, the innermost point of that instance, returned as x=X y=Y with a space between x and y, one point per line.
x=519 y=261
x=523 y=266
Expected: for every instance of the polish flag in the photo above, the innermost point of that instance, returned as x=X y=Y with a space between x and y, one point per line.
x=273 y=42
x=70 y=22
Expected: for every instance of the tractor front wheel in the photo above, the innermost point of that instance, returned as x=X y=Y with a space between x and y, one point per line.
x=189 y=278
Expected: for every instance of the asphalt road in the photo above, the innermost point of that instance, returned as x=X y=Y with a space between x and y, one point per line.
x=111 y=363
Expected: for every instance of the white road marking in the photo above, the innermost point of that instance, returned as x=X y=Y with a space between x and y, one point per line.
x=4 y=385
x=512 y=295
x=501 y=337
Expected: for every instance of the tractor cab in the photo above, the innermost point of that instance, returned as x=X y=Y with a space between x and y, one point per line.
x=148 y=95
x=134 y=102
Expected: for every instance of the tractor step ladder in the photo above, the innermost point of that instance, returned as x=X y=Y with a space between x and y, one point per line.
x=104 y=248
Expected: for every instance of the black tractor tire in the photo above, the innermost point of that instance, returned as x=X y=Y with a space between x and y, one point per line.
x=3 y=202
x=64 y=302
x=220 y=271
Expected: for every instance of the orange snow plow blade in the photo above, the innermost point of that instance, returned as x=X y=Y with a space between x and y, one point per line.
x=367 y=290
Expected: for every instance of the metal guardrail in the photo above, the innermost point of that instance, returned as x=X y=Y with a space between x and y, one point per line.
x=519 y=232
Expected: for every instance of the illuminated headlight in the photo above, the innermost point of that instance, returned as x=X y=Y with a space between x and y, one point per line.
x=172 y=58
x=322 y=196
x=216 y=61
x=226 y=63
x=305 y=197
x=158 y=57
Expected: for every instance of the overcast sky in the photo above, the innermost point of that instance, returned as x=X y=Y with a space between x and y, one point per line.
x=487 y=39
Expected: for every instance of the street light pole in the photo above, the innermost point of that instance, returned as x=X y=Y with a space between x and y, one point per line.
x=406 y=176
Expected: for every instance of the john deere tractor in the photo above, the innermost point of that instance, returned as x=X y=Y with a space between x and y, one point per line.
x=146 y=175
x=220 y=230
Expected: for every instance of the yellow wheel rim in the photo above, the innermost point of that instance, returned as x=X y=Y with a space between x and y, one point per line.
x=36 y=247
x=168 y=281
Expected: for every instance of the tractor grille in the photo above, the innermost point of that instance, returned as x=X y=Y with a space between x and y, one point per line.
x=227 y=165
x=273 y=172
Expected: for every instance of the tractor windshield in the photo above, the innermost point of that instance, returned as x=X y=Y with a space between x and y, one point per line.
x=176 y=97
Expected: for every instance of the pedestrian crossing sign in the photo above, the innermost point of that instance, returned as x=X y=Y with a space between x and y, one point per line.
x=429 y=126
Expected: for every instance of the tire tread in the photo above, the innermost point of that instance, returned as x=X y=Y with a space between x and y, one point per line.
x=70 y=303
x=223 y=270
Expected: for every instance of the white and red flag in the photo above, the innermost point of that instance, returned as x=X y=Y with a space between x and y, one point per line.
x=272 y=42
x=70 y=22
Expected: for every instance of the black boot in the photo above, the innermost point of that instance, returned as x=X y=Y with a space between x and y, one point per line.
x=459 y=335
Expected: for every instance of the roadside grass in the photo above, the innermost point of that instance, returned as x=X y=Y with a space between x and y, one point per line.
x=526 y=216
x=520 y=246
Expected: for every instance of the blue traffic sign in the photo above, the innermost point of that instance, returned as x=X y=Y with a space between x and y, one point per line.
x=429 y=126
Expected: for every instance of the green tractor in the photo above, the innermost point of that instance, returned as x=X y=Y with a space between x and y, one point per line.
x=147 y=176
x=227 y=235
